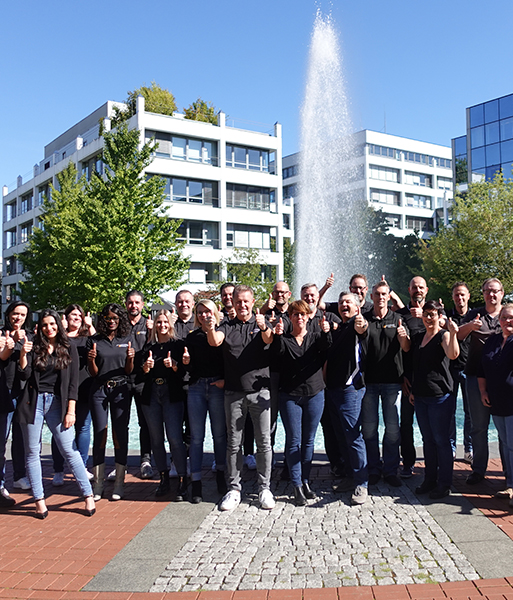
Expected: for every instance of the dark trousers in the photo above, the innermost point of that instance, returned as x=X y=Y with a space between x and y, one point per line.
x=407 y=444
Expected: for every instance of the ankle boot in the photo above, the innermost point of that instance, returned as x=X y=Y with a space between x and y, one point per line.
x=119 y=484
x=299 y=497
x=99 y=475
x=164 y=487
x=181 y=492
x=197 y=495
x=308 y=492
x=221 y=482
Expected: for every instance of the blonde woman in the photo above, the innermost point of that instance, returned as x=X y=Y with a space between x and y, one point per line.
x=206 y=394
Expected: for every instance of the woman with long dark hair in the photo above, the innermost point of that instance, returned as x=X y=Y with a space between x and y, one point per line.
x=50 y=364
x=110 y=360
x=79 y=327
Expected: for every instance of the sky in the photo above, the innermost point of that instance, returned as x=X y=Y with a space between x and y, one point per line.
x=413 y=65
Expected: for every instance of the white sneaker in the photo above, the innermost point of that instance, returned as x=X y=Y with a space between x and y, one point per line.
x=22 y=484
x=250 y=462
x=112 y=475
x=267 y=501
x=58 y=479
x=230 y=501
x=360 y=495
x=146 y=470
x=468 y=457
x=173 y=473
x=90 y=476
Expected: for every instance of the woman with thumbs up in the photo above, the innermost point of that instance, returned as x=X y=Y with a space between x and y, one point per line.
x=110 y=360
x=163 y=400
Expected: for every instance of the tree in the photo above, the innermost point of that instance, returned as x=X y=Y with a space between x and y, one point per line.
x=201 y=111
x=289 y=258
x=477 y=244
x=102 y=238
x=246 y=267
x=156 y=100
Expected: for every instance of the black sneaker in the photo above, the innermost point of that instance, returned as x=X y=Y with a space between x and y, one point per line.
x=393 y=480
x=374 y=478
x=425 y=487
x=474 y=478
x=439 y=493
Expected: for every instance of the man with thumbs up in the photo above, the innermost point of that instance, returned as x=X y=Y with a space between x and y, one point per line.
x=387 y=339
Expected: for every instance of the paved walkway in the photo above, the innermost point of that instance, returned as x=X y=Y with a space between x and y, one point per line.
x=461 y=548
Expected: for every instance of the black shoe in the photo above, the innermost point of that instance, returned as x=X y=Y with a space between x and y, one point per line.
x=393 y=480
x=285 y=475
x=5 y=500
x=197 y=496
x=425 y=487
x=474 y=478
x=374 y=478
x=308 y=492
x=221 y=482
x=164 y=486
x=42 y=515
x=181 y=492
x=439 y=493
x=299 y=497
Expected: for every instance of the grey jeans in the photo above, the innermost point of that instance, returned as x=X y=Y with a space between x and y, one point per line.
x=237 y=405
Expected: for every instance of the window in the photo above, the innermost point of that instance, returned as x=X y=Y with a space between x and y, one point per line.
x=10 y=238
x=25 y=232
x=418 y=201
x=248 y=236
x=191 y=190
x=423 y=159
x=10 y=293
x=9 y=211
x=25 y=204
x=203 y=272
x=417 y=179
x=182 y=148
x=384 y=151
x=385 y=197
x=286 y=221
x=393 y=220
x=248 y=196
x=419 y=224
x=92 y=165
x=253 y=159
x=199 y=233
x=289 y=192
x=290 y=171
x=446 y=163
x=44 y=191
x=444 y=183
x=10 y=266
x=383 y=173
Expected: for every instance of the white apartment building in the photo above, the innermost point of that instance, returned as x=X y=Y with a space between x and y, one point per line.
x=409 y=180
x=224 y=182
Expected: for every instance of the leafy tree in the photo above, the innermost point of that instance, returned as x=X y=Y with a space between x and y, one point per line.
x=157 y=100
x=246 y=267
x=477 y=244
x=201 y=111
x=289 y=257
x=105 y=237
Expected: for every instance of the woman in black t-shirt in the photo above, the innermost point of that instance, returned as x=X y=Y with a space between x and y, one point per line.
x=433 y=399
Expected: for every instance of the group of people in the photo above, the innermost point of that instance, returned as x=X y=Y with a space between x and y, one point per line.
x=312 y=362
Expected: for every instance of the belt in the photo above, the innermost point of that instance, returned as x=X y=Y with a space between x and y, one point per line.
x=115 y=382
x=159 y=381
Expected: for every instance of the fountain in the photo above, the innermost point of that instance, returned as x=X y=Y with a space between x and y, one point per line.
x=329 y=205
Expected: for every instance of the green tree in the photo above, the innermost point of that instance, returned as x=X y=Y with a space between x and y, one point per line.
x=201 y=111
x=289 y=259
x=156 y=100
x=245 y=266
x=477 y=244
x=107 y=236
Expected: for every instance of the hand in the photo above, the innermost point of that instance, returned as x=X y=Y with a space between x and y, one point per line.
x=359 y=321
x=272 y=318
x=219 y=383
x=27 y=347
x=485 y=399
x=325 y=326
x=232 y=313
x=9 y=342
x=174 y=317
x=19 y=335
x=174 y=365
x=186 y=358
x=69 y=420
x=401 y=331
x=64 y=322
x=452 y=327
x=210 y=322
x=149 y=323
x=406 y=386
x=416 y=312
x=91 y=355
x=271 y=303
x=330 y=281
x=168 y=361
x=476 y=323
x=412 y=399
x=260 y=321
x=441 y=302
x=279 y=329
x=150 y=363
x=130 y=352
x=88 y=320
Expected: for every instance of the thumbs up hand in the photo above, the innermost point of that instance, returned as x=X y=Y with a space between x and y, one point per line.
x=91 y=355
x=186 y=358
x=9 y=342
x=401 y=331
x=271 y=303
x=150 y=363
x=168 y=361
x=130 y=352
x=260 y=320
x=279 y=329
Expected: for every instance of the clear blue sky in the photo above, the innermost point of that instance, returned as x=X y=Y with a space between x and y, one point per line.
x=421 y=63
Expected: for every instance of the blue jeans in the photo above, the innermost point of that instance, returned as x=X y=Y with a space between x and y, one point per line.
x=300 y=416
x=434 y=419
x=17 y=446
x=347 y=402
x=49 y=409
x=460 y=380
x=162 y=414
x=390 y=394
x=480 y=415
x=504 y=426
x=203 y=397
x=82 y=437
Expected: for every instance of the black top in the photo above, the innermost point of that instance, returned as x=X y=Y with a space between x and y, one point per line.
x=300 y=367
x=384 y=362
x=246 y=356
x=10 y=365
x=182 y=328
x=431 y=375
x=84 y=378
x=345 y=364
x=110 y=355
x=206 y=360
x=173 y=379
x=497 y=368
x=287 y=324
x=489 y=327
x=458 y=364
x=48 y=377
x=139 y=334
x=332 y=307
x=314 y=324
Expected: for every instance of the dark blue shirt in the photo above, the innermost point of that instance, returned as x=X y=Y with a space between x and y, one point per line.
x=497 y=369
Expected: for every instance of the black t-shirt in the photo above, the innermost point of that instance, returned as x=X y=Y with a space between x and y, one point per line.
x=314 y=324
x=49 y=380
x=458 y=364
x=300 y=367
x=497 y=368
x=140 y=334
x=183 y=328
x=489 y=327
x=332 y=307
x=246 y=356
x=431 y=375
x=346 y=357
x=206 y=360
x=110 y=355
x=10 y=365
x=84 y=378
x=384 y=361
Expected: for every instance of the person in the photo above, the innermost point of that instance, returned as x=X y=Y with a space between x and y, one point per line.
x=50 y=364
x=6 y=501
x=387 y=340
x=78 y=326
x=495 y=380
x=358 y=285
x=301 y=356
x=433 y=399
x=480 y=324
x=16 y=333
x=184 y=324
x=163 y=400
x=345 y=388
x=141 y=326
x=461 y=298
x=226 y=293
x=206 y=395
x=110 y=360
x=246 y=341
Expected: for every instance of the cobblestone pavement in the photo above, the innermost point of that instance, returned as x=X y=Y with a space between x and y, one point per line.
x=392 y=539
